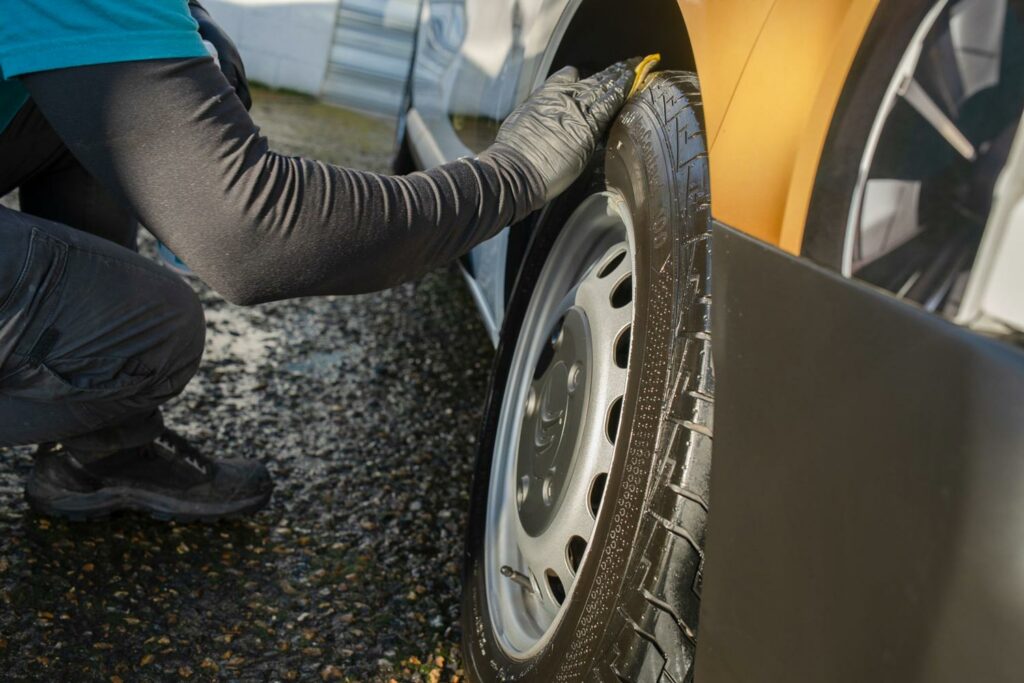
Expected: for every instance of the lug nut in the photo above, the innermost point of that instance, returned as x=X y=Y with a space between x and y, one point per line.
x=531 y=403
x=575 y=377
x=548 y=492
x=523 y=490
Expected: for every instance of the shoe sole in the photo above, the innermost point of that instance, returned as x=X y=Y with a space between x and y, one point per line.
x=77 y=507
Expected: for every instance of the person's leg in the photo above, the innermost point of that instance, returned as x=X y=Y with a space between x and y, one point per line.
x=54 y=185
x=93 y=338
x=68 y=194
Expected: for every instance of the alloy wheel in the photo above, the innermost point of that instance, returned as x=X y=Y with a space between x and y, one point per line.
x=941 y=137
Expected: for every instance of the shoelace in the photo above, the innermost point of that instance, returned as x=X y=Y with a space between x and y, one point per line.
x=176 y=449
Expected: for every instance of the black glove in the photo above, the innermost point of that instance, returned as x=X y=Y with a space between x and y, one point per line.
x=557 y=129
x=227 y=57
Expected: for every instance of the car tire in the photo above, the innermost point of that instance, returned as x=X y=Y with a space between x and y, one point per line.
x=633 y=612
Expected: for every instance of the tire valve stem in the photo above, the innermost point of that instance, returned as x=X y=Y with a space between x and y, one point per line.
x=522 y=579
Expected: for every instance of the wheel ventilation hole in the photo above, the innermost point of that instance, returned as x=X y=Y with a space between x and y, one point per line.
x=622 y=295
x=622 y=347
x=574 y=552
x=555 y=584
x=597 y=493
x=607 y=268
x=614 y=414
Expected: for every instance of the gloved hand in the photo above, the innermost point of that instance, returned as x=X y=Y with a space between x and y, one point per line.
x=557 y=129
x=223 y=51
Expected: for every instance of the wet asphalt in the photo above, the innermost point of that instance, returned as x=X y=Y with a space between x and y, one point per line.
x=366 y=411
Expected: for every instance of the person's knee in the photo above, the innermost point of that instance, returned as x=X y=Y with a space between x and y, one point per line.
x=168 y=358
x=179 y=352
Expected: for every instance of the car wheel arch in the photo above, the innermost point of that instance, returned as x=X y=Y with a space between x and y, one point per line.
x=592 y=35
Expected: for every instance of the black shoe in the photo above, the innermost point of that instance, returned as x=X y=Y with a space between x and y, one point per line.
x=167 y=478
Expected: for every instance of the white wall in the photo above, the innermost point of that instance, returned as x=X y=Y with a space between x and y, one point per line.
x=284 y=43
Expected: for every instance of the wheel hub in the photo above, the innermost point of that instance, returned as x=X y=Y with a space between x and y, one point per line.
x=552 y=416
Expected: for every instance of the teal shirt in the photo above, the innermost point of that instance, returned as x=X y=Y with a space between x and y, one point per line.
x=39 y=35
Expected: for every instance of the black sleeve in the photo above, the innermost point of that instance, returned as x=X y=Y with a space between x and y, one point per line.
x=172 y=139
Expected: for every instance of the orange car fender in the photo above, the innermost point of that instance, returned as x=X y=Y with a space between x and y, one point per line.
x=771 y=74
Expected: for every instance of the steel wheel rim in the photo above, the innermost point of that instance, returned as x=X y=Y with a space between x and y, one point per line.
x=957 y=50
x=535 y=527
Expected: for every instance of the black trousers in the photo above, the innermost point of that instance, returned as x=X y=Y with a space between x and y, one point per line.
x=93 y=337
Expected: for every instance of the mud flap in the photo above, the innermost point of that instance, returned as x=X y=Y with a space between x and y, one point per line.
x=867 y=492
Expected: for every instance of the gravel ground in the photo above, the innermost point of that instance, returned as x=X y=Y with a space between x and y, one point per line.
x=365 y=409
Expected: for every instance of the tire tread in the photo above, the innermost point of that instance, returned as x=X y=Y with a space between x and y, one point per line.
x=655 y=637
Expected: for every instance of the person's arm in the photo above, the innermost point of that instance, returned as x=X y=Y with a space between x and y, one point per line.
x=171 y=138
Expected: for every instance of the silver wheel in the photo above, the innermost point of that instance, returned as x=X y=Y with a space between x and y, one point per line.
x=939 y=140
x=558 y=425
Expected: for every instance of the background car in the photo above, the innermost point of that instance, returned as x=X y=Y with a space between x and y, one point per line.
x=878 y=139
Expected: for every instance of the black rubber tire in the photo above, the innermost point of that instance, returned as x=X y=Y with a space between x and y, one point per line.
x=634 y=611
